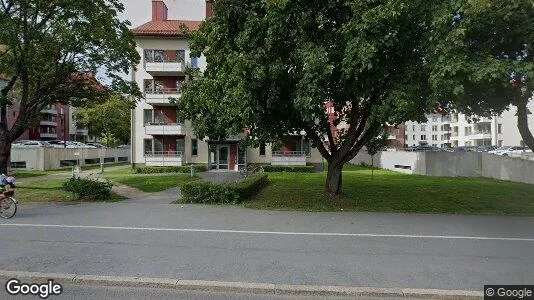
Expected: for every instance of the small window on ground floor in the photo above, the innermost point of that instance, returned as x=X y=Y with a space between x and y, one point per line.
x=180 y=146
x=158 y=145
x=194 y=147
x=262 y=149
x=147 y=145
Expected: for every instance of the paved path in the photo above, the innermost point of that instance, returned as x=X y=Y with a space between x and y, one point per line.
x=241 y=245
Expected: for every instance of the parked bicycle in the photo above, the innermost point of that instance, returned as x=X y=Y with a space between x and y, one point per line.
x=8 y=204
x=251 y=169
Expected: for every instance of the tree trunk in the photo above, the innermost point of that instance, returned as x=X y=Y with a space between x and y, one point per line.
x=334 y=178
x=522 y=125
x=5 y=152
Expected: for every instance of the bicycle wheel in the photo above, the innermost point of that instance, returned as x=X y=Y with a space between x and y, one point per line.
x=8 y=208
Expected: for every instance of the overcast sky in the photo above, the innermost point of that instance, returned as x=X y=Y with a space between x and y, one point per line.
x=139 y=12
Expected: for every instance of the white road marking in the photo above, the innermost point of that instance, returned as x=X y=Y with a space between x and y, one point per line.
x=332 y=234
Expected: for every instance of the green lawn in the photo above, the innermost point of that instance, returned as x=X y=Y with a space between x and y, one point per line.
x=31 y=173
x=152 y=184
x=48 y=191
x=395 y=192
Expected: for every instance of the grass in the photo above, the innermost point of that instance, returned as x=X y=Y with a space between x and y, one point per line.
x=153 y=184
x=31 y=173
x=394 y=192
x=49 y=191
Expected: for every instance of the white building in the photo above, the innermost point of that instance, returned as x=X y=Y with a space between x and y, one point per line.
x=455 y=130
x=160 y=137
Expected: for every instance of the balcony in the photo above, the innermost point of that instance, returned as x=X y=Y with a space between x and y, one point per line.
x=48 y=123
x=82 y=131
x=165 y=68
x=288 y=158
x=480 y=135
x=161 y=97
x=49 y=111
x=163 y=159
x=164 y=129
x=48 y=135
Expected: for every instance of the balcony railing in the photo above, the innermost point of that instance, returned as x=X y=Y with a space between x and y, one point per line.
x=165 y=66
x=49 y=111
x=288 y=158
x=48 y=123
x=163 y=158
x=82 y=131
x=156 y=96
x=164 y=129
x=48 y=135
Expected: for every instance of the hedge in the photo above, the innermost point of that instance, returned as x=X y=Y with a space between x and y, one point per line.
x=224 y=193
x=89 y=189
x=182 y=169
x=293 y=169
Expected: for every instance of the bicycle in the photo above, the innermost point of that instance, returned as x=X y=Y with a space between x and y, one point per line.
x=251 y=170
x=8 y=204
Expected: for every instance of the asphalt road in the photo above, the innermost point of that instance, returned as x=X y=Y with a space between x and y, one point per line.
x=236 y=244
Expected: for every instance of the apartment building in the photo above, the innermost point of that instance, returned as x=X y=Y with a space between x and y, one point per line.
x=456 y=130
x=52 y=124
x=160 y=136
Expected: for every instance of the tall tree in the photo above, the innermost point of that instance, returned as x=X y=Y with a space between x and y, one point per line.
x=50 y=49
x=482 y=57
x=110 y=120
x=375 y=144
x=272 y=66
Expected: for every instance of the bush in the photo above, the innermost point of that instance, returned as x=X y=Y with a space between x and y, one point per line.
x=89 y=189
x=182 y=169
x=226 y=193
x=293 y=169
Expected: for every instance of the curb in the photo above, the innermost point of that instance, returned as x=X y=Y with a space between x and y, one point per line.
x=242 y=287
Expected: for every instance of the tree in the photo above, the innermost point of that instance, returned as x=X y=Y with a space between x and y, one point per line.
x=110 y=120
x=51 y=48
x=374 y=145
x=482 y=57
x=272 y=66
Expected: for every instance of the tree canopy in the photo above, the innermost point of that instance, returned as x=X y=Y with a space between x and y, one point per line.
x=52 y=48
x=109 y=120
x=272 y=66
x=482 y=57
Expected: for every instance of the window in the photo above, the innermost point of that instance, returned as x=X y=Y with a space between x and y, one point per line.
x=405 y=137
x=306 y=147
x=147 y=116
x=147 y=145
x=180 y=54
x=499 y=128
x=500 y=143
x=194 y=147
x=435 y=137
x=148 y=85
x=159 y=117
x=434 y=145
x=414 y=137
x=194 y=62
x=413 y=128
x=180 y=146
x=423 y=127
x=423 y=137
x=434 y=119
x=262 y=149
x=435 y=128
x=158 y=145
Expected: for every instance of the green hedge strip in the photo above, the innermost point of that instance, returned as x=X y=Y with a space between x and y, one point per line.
x=293 y=169
x=182 y=169
x=89 y=189
x=225 y=193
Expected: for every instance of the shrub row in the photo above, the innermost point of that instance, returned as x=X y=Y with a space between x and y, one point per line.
x=225 y=193
x=89 y=189
x=293 y=169
x=182 y=169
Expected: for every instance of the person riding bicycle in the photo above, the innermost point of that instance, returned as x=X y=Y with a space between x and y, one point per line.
x=7 y=186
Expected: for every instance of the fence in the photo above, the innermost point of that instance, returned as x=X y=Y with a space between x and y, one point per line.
x=57 y=158
x=466 y=164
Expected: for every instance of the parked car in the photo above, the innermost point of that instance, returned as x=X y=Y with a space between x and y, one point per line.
x=515 y=150
x=124 y=146
x=423 y=149
x=61 y=144
x=465 y=149
x=30 y=144
x=97 y=145
x=500 y=149
x=485 y=148
x=82 y=145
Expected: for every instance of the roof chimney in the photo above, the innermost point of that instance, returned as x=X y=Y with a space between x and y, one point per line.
x=159 y=10
x=209 y=9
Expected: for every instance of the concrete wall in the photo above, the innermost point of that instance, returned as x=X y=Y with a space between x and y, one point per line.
x=463 y=164
x=50 y=158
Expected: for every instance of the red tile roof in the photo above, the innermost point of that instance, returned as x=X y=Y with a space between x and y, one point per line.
x=165 y=28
